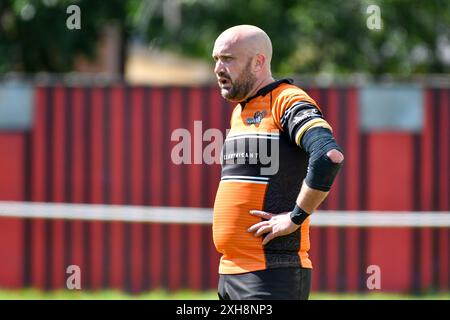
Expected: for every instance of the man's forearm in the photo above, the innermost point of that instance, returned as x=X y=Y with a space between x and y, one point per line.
x=309 y=199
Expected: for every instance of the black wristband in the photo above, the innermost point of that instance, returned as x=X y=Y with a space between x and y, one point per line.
x=298 y=215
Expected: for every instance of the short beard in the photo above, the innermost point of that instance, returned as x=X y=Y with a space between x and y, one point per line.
x=242 y=86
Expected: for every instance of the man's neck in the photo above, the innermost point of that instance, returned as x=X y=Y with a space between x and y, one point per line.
x=266 y=81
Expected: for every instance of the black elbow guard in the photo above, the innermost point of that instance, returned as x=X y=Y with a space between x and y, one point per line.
x=321 y=170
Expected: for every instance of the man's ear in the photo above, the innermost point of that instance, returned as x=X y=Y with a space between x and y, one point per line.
x=260 y=61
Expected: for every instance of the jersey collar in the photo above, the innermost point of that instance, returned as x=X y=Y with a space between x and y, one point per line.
x=265 y=90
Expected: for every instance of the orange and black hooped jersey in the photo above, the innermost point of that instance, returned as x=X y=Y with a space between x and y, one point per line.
x=263 y=167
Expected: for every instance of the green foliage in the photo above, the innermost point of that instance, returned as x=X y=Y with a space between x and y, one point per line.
x=323 y=36
x=34 y=36
x=308 y=36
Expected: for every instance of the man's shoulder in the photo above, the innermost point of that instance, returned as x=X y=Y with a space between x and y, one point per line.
x=288 y=89
x=286 y=95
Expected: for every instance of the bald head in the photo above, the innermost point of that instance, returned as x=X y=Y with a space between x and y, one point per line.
x=250 y=38
x=242 y=54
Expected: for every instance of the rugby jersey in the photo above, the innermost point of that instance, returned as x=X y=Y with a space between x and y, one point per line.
x=263 y=167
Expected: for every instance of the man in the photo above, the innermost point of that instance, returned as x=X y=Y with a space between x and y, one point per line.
x=261 y=211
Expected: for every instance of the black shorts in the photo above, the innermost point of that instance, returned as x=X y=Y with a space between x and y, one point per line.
x=270 y=284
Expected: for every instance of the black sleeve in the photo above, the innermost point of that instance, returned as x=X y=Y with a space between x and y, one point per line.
x=321 y=170
x=295 y=119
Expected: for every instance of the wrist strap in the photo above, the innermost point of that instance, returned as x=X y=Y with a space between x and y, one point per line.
x=298 y=215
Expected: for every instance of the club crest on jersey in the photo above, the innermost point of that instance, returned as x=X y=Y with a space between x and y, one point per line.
x=257 y=117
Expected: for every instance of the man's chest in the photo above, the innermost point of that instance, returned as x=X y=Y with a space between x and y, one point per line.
x=253 y=117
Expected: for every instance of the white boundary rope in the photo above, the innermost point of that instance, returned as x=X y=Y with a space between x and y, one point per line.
x=204 y=216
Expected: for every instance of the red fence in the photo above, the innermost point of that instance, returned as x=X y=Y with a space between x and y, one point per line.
x=113 y=145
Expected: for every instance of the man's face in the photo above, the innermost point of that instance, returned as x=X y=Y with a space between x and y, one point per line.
x=233 y=70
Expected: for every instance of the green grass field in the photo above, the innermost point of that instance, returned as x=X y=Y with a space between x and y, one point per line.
x=32 y=294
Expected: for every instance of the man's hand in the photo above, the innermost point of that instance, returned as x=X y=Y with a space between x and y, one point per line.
x=276 y=225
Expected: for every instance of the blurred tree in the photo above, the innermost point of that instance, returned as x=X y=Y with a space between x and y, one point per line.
x=323 y=36
x=308 y=36
x=34 y=36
